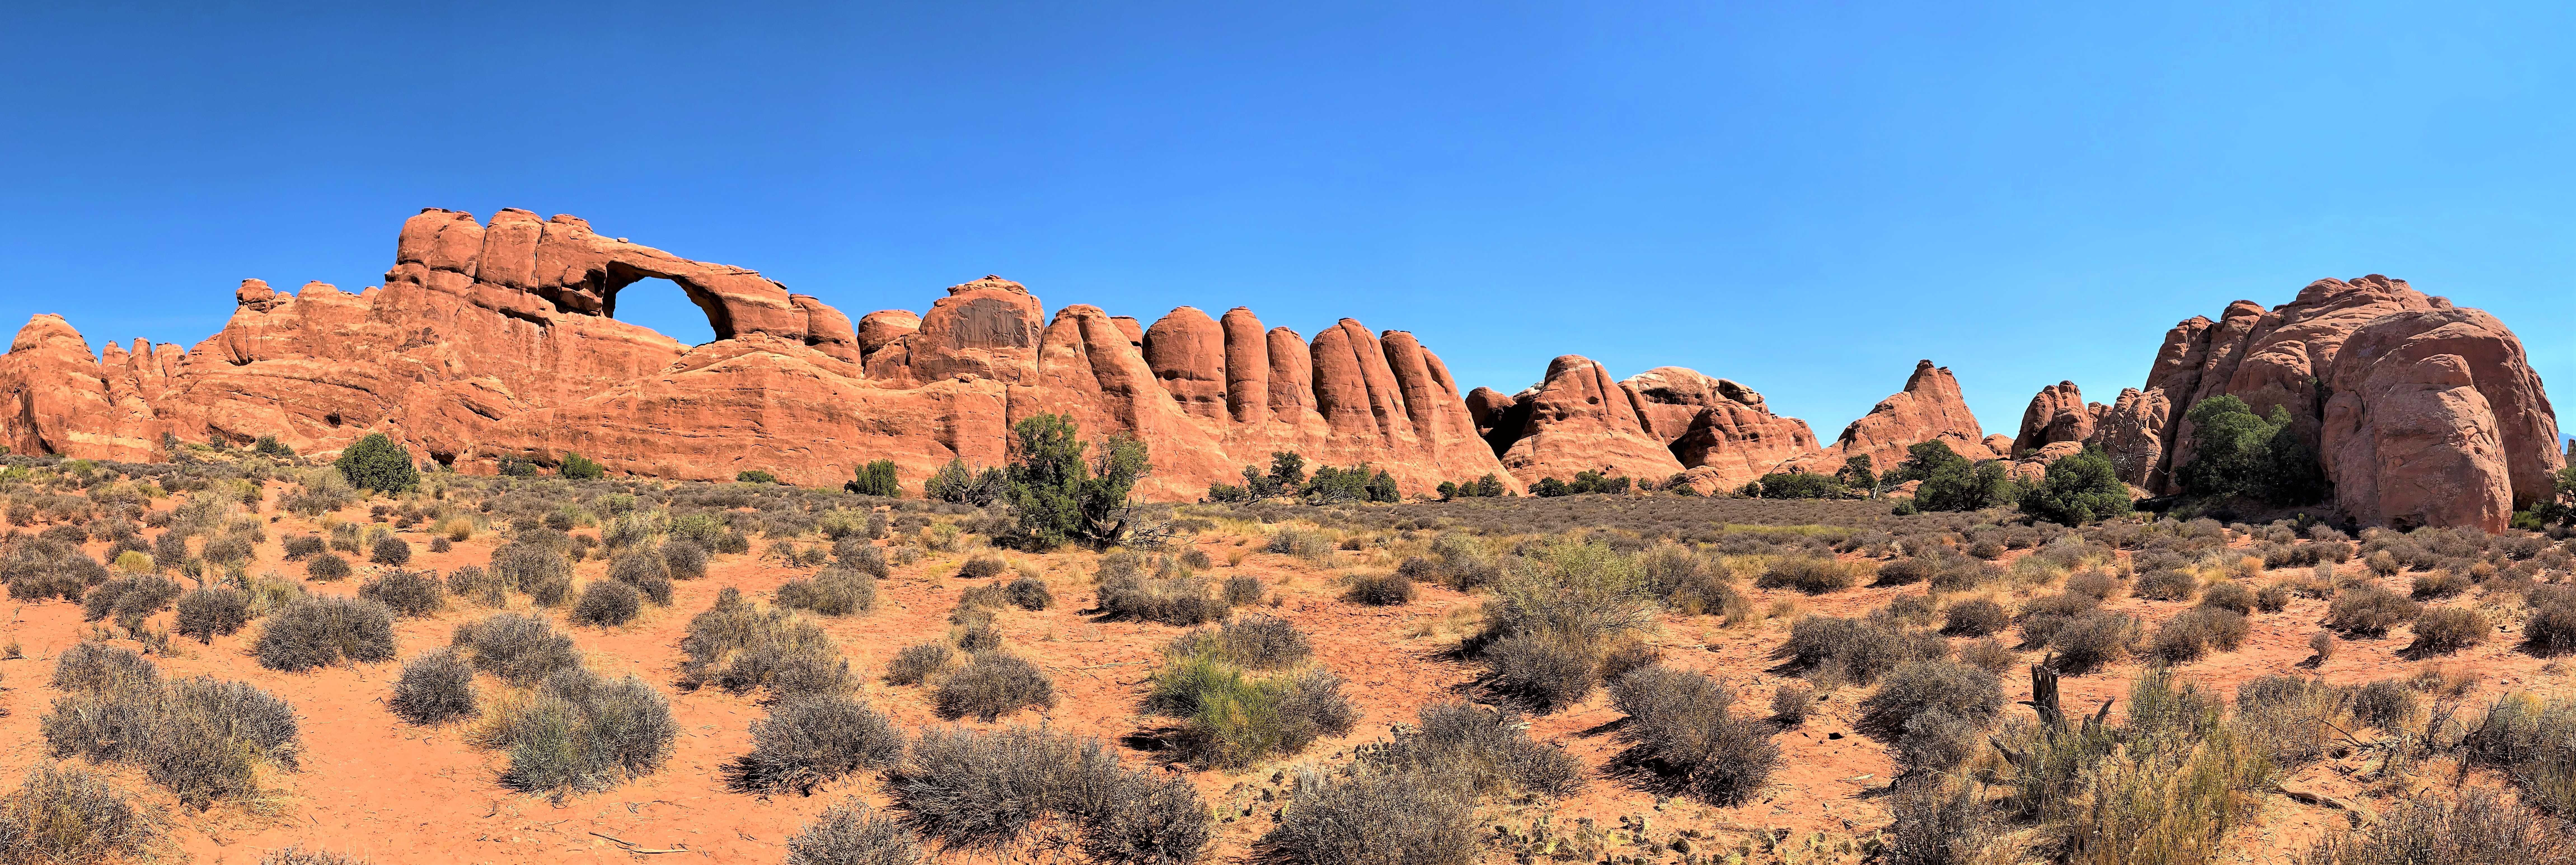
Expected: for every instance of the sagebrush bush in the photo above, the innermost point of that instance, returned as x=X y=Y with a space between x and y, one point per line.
x=2478 y=828
x=811 y=739
x=2368 y=610
x=2550 y=629
x=88 y=666
x=2092 y=641
x=2194 y=633
x=301 y=547
x=643 y=569
x=983 y=790
x=1545 y=672
x=2231 y=595
x=40 y=568
x=1792 y=702
x=2441 y=584
x=390 y=551
x=1475 y=750
x=578 y=732
x=129 y=599
x=992 y=685
x=1234 y=719
x=606 y=604
x=1857 y=650
x=738 y=646
x=982 y=566
x=1314 y=547
x=1681 y=723
x=1975 y=617
x=2442 y=630
x=209 y=613
x=520 y=649
x=1176 y=600
x=918 y=662
x=1253 y=642
x=851 y=833
x=203 y=739
x=866 y=558
x=1906 y=571
x=2093 y=584
x=1373 y=818
x=435 y=687
x=1242 y=590
x=320 y=630
x=541 y=572
x=2533 y=742
x=1963 y=692
x=1029 y=593
x=327 y=567
x=839 y=590
x=2166 y=585
x=411 y=594
x=684 y=559
x=67 y=813
x=2387 y=704
x=1814 y=575
x=1379 y=590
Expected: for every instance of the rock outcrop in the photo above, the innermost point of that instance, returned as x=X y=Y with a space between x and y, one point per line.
x=2422 y=413
x=1930 y=408
x=2056 y=414
x=499 y=339
x=1649 y=427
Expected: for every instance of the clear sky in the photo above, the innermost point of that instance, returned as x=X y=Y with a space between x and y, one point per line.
x=1804 y=197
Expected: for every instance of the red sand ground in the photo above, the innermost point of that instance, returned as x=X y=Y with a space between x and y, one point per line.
x=374 y=786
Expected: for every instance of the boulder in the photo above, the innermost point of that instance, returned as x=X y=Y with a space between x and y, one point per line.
x=2056 y=414
x=2437 y=419
x=1186 y=350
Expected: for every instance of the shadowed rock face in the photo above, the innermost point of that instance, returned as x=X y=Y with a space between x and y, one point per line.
x=497 y=339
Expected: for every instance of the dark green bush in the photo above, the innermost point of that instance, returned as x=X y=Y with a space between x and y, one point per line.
x=580 y=468
x=2079 y=489
x=377 y=463
x=875 y=479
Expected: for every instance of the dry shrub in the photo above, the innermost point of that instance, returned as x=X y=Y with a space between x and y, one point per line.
x=2230 y=595
x=320 y=630
x=1857 y=650
x=992 y=685
x=1373 y=818
x=68 y=813
x=739 y=646
x=1380 y=590
x=684 y=559
x=851 y=833
x=1814 y=575
x=984 y=791
x=435 y=686
x=1961 y=691
x=1791 y=704
x=2095 y=640
x=606 y=604
x=839 y=590
x=645 y=570
x=1030 y=593
x=411 y=594
x=2192 y=634
x=519 y=648
x=1173 y=598
x=917 y=663
x=1680 y=724
x=2478 y=828
x=2167 y=585
x=1906 y=571
x=2443 y=630
x=2533 y=742
x=809 y=740
x=578 y=732
x=2367 y=610
x=203 y=739
x=129 y=599
x=1975 y=617
x=1476 y=751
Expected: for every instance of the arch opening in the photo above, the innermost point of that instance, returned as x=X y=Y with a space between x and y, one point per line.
x=664 y=305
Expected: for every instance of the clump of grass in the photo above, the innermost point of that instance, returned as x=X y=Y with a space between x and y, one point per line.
x=812 y=739
x=1681 y=725
x=321 y=630
x=1554 y=620
x=1234 y=718
x=435 y=687
x=578 y=732
x=67 y=813
x=521 y=649
x=1314 y=547
x=739 y=646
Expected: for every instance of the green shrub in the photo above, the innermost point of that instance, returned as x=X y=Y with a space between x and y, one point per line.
x=1058 y=497
x=876 y=479
x=2079 y=489
x=1798 y=485
x=320 y=630
x=435 y=686
x=1234 y=719
x=2236 y=453
x=270 y=446
x=754 y=476
x=1951 y=483
x=376 y=463
x=580 y=468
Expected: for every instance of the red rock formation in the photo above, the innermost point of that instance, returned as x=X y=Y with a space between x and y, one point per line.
x=1579 y=420
x=2437 y=419
x=2421 y=411
x=1716 y=424
x=498 y=340
x=1930 y=408
x=2056 y=414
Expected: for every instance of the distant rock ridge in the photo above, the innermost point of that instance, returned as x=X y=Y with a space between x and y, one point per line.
x=493 y=340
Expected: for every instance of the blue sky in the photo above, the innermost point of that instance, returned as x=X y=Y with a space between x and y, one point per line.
x=1802 y=197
